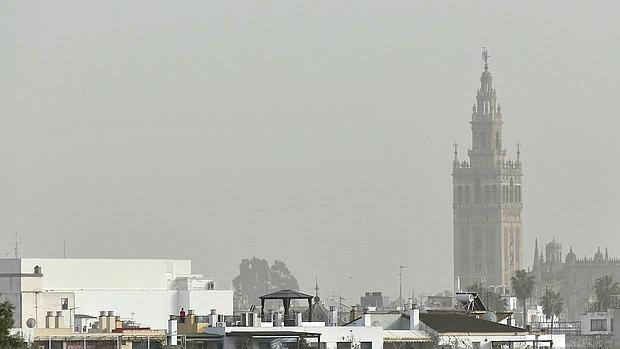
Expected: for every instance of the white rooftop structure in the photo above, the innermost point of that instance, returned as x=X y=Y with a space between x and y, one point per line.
x=144 y=290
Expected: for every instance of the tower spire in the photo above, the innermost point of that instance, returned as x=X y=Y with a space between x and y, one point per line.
x=316 y=285
x=536 y=253
x=485 y=57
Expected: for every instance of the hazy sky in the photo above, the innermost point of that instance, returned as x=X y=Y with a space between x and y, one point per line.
x=316 y=132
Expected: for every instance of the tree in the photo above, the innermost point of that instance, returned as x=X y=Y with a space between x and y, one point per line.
x=604 y=288
x=8 y=341
x=492 y=301
x=257 y=278
x=552 y=306
x=522 y=285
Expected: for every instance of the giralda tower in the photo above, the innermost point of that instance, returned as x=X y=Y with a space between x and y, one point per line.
x=487 y=198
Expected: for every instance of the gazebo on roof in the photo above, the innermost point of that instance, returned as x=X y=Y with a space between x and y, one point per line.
x=286 y=296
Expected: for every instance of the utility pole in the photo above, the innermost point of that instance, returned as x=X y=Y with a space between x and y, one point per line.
x=400 y=285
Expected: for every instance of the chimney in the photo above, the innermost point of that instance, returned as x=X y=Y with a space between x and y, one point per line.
x=172 y=330
x=110 y=321
x=414 y=318
x=355 y=312
x=212 y=318
x=333 y=316
x=366 y=320
x=60 y=320
x=103 y=321
x=50 y=322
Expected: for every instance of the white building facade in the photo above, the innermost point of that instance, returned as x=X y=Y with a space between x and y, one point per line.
x=146 y=291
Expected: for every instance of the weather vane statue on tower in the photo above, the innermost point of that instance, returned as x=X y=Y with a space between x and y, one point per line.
x=485 y=57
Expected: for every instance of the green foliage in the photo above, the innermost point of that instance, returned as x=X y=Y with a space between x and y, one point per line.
x=257 y=278
x=492 y=301
x=7 y=341
x=604 y=288
x=552 y=304
x=523 y=286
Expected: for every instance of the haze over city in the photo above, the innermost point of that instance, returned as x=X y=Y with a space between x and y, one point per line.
x=318 y=133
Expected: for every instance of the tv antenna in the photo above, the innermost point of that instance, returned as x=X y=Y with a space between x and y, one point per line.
x=400 y=284
x=17 y=245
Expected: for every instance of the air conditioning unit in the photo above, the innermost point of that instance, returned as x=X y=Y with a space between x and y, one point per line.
x=220 y=324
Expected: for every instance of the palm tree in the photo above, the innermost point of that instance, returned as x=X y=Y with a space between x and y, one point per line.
x=522 y=285
x=552 y=306
x=604 y=288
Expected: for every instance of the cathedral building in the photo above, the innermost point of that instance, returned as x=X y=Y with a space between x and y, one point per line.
x=487 y=198
x=572 y=277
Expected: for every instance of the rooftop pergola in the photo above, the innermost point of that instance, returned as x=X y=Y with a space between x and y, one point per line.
x=286 y=296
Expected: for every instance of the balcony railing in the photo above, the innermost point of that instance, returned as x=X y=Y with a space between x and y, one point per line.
x=562 y=327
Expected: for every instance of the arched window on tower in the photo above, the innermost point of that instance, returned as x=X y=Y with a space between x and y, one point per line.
x=467 y=193
x=482 y=141
x=498 y=141
x=477 y=191
x=495 y=194
x=486 y=194
x=512 y=191
x=459 y=193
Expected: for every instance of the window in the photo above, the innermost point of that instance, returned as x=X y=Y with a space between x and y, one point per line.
x=483 y=141
x=459 y=193
x=321 y=345
x=343 y=345
x=477 y=191
x=467 y=193
x=598 y=325
x=64 y=303
x=486 y=194
x=365 y=345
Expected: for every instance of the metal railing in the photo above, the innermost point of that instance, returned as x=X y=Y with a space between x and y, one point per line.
x=562 y=327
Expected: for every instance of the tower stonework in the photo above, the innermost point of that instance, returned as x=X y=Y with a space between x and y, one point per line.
x=487 y=198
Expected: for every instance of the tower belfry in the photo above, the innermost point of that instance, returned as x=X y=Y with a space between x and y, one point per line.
x=487 y=197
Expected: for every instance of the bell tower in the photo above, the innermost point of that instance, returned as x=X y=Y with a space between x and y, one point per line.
x=487 y=197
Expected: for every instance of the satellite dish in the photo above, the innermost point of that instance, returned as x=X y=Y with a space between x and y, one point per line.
x=31 y=323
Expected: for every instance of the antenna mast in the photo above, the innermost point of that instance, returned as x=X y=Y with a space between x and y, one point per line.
x=16 y=245
x=400 y=285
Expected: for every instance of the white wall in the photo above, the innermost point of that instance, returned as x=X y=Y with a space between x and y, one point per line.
x=126 y=286
x=106 y=274
x=202 y=301
x=152 y=308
